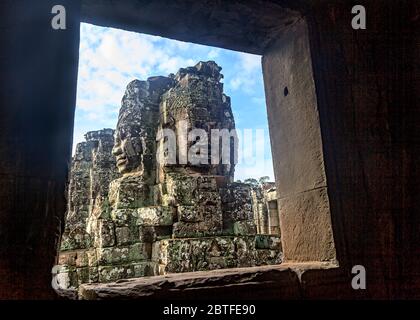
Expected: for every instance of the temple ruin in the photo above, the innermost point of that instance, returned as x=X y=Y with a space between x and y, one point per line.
x=132 y=212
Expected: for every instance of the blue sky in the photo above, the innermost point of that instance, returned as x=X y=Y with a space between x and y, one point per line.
x=111 y=58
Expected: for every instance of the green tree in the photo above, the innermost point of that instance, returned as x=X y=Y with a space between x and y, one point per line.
x=263 y=180
x=251 y=181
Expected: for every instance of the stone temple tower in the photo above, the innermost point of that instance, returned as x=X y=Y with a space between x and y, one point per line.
x=161 y=199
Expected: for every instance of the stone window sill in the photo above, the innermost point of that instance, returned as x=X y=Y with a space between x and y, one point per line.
x=283 y=280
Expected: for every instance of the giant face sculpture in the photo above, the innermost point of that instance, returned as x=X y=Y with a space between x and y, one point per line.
x=137 y=124
x=128 y=149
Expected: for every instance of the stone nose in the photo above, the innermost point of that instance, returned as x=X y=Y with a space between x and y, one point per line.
x=116 y=150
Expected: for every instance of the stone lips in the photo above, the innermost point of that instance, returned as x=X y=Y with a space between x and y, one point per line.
x=129 y=216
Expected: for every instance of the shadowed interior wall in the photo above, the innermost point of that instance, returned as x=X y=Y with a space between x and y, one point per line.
x=243 y=25
x=367 y=85
x=38 y=69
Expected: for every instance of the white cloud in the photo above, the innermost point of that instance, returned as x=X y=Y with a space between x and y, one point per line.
x=109 y=60
x=213 y=54
x=250 y=63
x=248 y=69
x=236 y=83
x=172 y=64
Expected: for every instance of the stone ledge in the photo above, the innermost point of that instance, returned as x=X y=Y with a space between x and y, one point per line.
x=282 y=281
x=244 y=27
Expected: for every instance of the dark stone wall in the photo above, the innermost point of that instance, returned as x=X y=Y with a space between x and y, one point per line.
x=243 y=25
x=367 y=85
x=38 y=72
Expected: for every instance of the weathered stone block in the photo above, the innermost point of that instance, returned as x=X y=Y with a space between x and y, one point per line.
x=185 y=255
x=182 y=188
x=114 y=273
x=155 y=216
x=67 y=258
x=212 y=215
x=82 y=259
x=93 y=274
x=242 y=228
x=117 y=255
x=237 y=205
x=205 y=217
x=145 y=269
x=148 y=234
x=105 y=233
x=208 y=183
x=82 y=275
x=197 y=229
x=209 y=198
x=125 y=271
x=190 y=214
x=77 y=238
x=245 y=251
x=66 y=277
x=124 y=217
x=126 y=235
x=160 y=252
x=312 y=240
x=268 y=257
x=129 y=191
x=263 y=241
x=92 y=257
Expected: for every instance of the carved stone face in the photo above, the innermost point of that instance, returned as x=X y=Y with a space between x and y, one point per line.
x=127 y=150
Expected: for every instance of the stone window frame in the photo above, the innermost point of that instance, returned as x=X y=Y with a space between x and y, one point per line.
x=298 y=159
